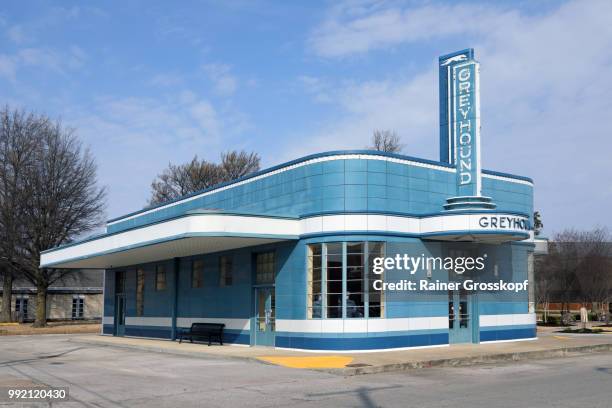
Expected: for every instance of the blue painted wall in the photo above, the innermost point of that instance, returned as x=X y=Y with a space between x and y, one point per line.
x=236 y=301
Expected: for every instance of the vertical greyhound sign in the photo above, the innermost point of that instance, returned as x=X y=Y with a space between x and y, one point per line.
x=460 y=119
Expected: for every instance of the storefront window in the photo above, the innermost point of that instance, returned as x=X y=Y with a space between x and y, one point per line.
x=376 y=301
x=339 y=280
x=315 y=288
x=334 y=279
x=355 y=279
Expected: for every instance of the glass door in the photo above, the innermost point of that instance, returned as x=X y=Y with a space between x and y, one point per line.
x=119 y=315
x=459 y=316
x=265 y=324
x=119 y=303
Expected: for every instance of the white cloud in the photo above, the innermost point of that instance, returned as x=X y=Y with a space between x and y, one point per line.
x=351 y=29
x=166 y=80
x=206 y=116
x=135 y=138
x=8 y=67
x=404 y=105
x=45 y=58
x=224 y=82
x=546 y=81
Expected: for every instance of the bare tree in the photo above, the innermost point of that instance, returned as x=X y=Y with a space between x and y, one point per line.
x=386 y=141
x=595 y=268
x=17 y=149
x=564 y=258
x=179 y=180
x=58 y=200
x=544 y=286
x=238 y=164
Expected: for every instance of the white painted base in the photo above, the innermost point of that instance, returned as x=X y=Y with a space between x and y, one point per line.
x=507 y=341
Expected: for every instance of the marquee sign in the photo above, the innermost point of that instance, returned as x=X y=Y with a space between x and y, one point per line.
x=460 y=119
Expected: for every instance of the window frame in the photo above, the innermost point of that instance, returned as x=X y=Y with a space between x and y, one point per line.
x=267 y=262
x=21 y=303
x=160 y=284
x=140 y=291
x=224 y=276
x=197 y=274
x=366 y=278
x=78 y=307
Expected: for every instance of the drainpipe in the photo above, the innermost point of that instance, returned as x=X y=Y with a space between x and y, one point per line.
x=177 y=266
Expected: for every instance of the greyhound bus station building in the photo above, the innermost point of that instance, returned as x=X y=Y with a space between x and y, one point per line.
x=285 y=257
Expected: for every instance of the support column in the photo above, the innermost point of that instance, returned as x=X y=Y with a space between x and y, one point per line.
x=175 y=289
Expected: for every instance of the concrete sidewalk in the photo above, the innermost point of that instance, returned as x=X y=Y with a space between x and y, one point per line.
x=549 y=344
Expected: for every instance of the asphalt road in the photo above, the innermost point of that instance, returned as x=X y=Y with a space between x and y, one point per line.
x=109 y=377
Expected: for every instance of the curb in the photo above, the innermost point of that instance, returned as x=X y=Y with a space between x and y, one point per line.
x=404 y=366
x=476 y=360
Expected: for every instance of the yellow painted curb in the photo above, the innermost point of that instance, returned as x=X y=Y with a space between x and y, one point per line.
x=9 y=324
x=562 y=338
x=308 y=362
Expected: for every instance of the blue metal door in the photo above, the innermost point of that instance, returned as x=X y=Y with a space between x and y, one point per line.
x=459 y=316
x=265 y=319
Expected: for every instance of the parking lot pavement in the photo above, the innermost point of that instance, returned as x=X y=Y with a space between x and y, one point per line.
x=549 y=343
x=111 y=377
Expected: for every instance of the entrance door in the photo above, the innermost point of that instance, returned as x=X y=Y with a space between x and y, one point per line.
x=459 y=316
x=119 y=303
x=265 y=324
x=119 y=315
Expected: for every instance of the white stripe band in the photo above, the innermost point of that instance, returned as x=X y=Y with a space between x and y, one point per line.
x=507 y=320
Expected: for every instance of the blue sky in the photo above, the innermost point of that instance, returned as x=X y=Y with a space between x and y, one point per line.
x=145 y=83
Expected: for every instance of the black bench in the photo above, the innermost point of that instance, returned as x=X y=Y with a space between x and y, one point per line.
x=208 y=331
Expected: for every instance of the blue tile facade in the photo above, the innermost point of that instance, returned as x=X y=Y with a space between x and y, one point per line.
x=379 y=184
x=343 y=185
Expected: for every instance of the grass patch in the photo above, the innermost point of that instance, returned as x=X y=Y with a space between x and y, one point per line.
x=582 y=331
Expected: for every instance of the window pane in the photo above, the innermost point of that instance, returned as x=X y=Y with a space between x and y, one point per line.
x=375 y=298
x=315 y=249
x=334 y=312
x=316 y=261
x=264 y=267
x=314 y=299
x=334 y=286
x=374 y=311
x=355 y=260
x=334 y=273
x=160 y=283
x=225 y=271
x=334 y=260
x=334 y=248
x=140 y=282
x=316 y=274
x=354 y=248
x=197 y=273
x=354 y=286
x=354 y=273
x=376 y=248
